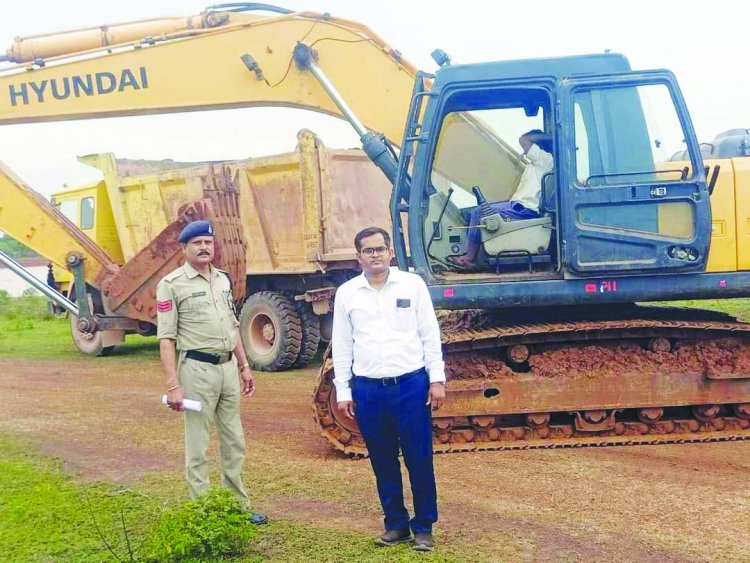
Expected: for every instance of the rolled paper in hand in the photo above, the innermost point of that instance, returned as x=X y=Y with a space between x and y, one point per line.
x=187 y=404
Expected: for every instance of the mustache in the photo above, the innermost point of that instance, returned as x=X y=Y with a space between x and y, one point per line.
x=204 y=253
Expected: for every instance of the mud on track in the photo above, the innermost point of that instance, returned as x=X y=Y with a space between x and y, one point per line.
x=655 y=503
x=721 y=356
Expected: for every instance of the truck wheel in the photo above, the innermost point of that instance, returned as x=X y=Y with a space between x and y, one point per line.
x=98 y=343
x=310 y=333
x=88 y=343
x=271 y=331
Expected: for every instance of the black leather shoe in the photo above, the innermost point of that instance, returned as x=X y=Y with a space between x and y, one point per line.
x=393 y=537
x=423 y=541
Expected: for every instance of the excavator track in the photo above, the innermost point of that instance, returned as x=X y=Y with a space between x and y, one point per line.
x=643 y=375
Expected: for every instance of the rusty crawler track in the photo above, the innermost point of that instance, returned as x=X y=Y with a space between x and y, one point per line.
x=651 y=403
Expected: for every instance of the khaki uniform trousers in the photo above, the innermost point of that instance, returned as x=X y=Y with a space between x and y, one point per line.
x=217 y=387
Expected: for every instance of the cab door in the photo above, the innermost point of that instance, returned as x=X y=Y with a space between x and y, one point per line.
x=625 y=207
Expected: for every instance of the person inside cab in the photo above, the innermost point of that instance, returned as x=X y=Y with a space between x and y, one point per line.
x=537 y=146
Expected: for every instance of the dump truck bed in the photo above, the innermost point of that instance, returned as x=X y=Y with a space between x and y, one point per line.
x=300 y=210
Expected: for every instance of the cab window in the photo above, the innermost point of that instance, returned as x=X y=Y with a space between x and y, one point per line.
x=626 y=134
x=87 y=213
x=479 y=143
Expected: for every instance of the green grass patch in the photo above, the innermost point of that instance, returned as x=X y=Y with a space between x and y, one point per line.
x=51 y=338
x=285 y=541
x=739 y=308
x=28 y=330
x=45 y=516
x=26 y=308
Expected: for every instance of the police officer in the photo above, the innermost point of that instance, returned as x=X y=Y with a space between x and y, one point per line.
x=197 y=332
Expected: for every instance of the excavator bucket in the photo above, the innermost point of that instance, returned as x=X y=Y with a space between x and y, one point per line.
x=132 y=291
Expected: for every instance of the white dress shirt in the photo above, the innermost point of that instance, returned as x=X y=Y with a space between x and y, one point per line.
x=384 y=333
x=530 y=186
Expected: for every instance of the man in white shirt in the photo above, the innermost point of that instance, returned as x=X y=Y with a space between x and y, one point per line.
x=389 y=373
x=524 y=204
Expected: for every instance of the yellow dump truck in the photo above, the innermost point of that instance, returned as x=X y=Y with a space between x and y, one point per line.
x=300 y=212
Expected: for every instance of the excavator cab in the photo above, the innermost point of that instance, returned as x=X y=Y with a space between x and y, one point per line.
x=608 y=203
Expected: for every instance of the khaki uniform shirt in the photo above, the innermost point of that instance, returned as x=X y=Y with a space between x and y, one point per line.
x=195 y=311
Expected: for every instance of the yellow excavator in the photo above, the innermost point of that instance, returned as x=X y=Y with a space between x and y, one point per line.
x=543 y=342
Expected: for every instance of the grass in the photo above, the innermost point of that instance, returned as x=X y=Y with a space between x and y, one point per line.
x=739 y=308
x=285 y=541
x=28 y=330
x=45 y=515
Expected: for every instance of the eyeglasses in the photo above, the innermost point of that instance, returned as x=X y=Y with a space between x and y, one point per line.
x=379 y=250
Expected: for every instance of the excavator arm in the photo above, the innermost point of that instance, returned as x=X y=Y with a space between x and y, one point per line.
x=218 y=59
x=32 y=220
x=212 y=61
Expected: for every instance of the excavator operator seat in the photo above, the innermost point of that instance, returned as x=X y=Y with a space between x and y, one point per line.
x=530 y=237
x=518 y=236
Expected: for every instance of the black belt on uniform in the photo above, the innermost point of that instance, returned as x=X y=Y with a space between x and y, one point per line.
x=388 y=381
x=215 y=359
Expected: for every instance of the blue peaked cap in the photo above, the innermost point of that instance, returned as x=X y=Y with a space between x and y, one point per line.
x=196 y=229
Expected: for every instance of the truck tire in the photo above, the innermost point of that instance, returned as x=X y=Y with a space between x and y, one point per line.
x=271 y=331
x=310 y=334
x=89 y=344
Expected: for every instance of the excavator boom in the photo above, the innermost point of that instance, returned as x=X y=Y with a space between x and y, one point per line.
x=246 y=61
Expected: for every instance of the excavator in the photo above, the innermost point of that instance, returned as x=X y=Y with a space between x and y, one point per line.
x=544 y=344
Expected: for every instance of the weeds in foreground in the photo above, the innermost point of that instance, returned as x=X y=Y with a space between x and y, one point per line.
x=213 y=526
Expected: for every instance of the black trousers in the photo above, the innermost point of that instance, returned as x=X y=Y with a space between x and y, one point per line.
x=391 y=417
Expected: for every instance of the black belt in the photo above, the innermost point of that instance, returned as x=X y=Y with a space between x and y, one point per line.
x=215 y=359
x=389 y=381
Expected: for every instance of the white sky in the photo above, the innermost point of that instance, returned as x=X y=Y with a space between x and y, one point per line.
x=705 y=45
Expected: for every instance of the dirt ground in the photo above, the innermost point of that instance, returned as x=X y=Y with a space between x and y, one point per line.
x=651 y=503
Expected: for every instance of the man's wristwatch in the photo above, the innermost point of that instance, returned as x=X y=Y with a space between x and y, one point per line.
x=243 y=367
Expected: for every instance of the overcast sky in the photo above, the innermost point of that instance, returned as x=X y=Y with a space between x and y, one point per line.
x=705 y=45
